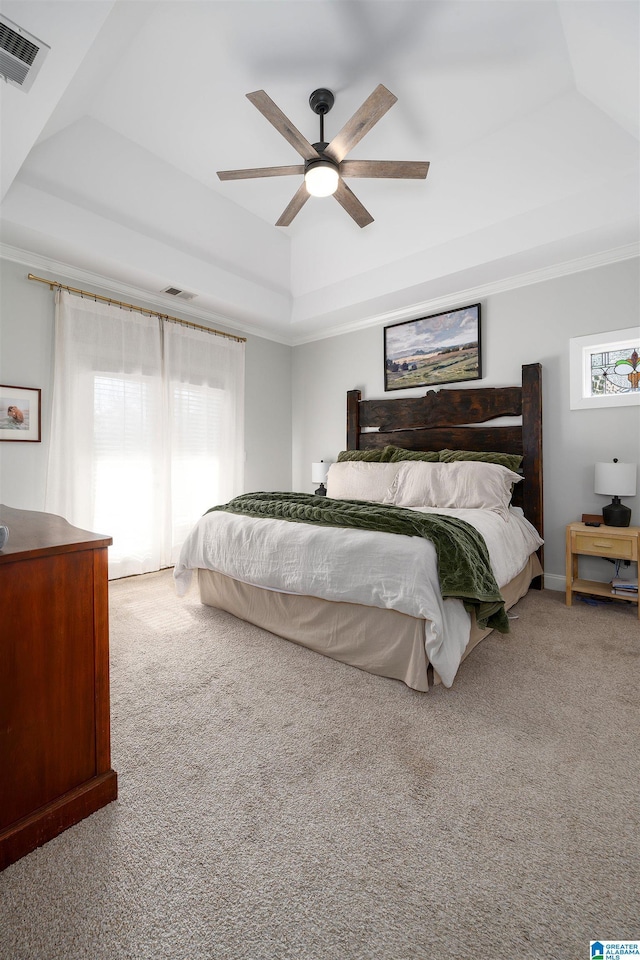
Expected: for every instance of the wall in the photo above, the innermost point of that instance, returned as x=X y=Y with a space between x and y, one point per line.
x=26 y=359
x=530 y=324
x=296 y=417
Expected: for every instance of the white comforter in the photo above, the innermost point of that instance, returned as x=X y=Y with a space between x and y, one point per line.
x=357 y=566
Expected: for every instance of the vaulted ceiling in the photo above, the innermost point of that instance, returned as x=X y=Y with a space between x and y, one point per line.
x=527 y=111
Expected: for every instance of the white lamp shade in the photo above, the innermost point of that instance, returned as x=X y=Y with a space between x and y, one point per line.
x=616 y=479
x=319 y=471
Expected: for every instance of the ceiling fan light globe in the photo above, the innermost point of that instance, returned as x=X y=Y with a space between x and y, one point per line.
x=321 y=179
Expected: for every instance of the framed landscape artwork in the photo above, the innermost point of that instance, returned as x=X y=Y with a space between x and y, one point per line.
x=20 y=413
x=430 y=351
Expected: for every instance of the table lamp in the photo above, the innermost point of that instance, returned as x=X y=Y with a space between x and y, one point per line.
x=615 y=479
x=319 y=473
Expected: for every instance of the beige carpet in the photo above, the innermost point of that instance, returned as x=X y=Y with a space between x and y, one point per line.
x=275 y=804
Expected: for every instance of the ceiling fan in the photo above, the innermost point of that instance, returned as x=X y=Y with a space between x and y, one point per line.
x=324 y=165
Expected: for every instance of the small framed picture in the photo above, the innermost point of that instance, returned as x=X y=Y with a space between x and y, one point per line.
x=442 y=348
x=20 y=413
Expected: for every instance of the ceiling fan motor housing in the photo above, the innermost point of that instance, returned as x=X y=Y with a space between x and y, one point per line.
x=321 y=158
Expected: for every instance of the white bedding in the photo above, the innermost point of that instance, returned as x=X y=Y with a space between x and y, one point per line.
x=357 y=566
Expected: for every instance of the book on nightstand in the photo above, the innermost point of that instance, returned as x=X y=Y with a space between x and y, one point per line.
x=624 y=588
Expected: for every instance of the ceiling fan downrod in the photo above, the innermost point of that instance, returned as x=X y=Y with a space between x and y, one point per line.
x=321 y=101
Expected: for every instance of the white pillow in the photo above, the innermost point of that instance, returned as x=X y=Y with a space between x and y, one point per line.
x=361 y=480
x=415 y=484
x=463 y=484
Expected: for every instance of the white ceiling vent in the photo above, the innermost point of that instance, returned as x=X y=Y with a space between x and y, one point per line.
x=21 y=54
x=179 y=294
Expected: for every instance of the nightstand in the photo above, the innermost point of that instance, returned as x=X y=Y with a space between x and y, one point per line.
x=615 y=543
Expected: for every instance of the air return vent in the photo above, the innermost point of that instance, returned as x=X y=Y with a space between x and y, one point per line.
x=179 y=294
x=21 y=54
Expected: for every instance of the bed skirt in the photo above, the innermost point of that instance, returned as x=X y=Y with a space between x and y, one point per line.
x=383 y=642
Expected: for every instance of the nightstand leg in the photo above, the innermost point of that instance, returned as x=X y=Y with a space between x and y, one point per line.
x=570 y=570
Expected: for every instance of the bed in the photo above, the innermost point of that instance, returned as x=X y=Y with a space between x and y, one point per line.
x=370 y=598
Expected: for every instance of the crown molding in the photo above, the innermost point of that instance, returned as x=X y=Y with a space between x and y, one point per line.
x=419 y=308
x=438 y=304
x=164 y=304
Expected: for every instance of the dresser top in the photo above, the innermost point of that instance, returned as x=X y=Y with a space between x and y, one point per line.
x=35 y=534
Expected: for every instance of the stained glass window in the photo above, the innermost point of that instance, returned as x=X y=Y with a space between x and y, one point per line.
x=605 y=369
x=614 y=370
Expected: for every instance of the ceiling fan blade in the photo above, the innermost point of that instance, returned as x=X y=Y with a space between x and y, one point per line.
x=253 y=172
x=352 y=205
x=283 y=125
x=395 y=169
x=296 y=204
x=374 y=107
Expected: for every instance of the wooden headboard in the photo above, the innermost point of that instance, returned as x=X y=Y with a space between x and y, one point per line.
x=442 y=419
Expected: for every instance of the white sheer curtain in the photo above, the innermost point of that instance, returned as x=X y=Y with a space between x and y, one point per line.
x=204 y=384
x=147 y=428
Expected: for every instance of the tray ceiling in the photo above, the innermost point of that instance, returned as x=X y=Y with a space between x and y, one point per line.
x=527 y=112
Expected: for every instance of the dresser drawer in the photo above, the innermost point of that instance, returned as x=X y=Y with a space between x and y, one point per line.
x=603 y=545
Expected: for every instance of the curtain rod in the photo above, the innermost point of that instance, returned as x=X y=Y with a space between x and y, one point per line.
x=132 y=306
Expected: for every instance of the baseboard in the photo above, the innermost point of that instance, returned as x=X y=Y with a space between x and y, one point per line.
x=44 y=824
x=553 y=581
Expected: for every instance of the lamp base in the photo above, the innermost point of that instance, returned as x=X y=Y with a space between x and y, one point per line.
x=615 y=514
x=322 y=492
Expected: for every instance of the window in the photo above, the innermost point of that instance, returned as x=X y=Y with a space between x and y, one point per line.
x=605 y=369
x=125 y=466
x=196 y=463
x=147 y=429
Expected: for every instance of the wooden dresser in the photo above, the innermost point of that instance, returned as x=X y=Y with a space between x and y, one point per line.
x=55 y=748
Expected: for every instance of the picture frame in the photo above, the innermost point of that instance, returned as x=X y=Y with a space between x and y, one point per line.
x=20 y=413
x=430 y=351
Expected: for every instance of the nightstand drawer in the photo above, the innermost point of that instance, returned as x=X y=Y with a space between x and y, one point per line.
x=601 y=545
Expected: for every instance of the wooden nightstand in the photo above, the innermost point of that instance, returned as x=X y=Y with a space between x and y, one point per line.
x=616 y=543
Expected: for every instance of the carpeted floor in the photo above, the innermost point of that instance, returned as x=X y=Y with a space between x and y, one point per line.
x=275 y=805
